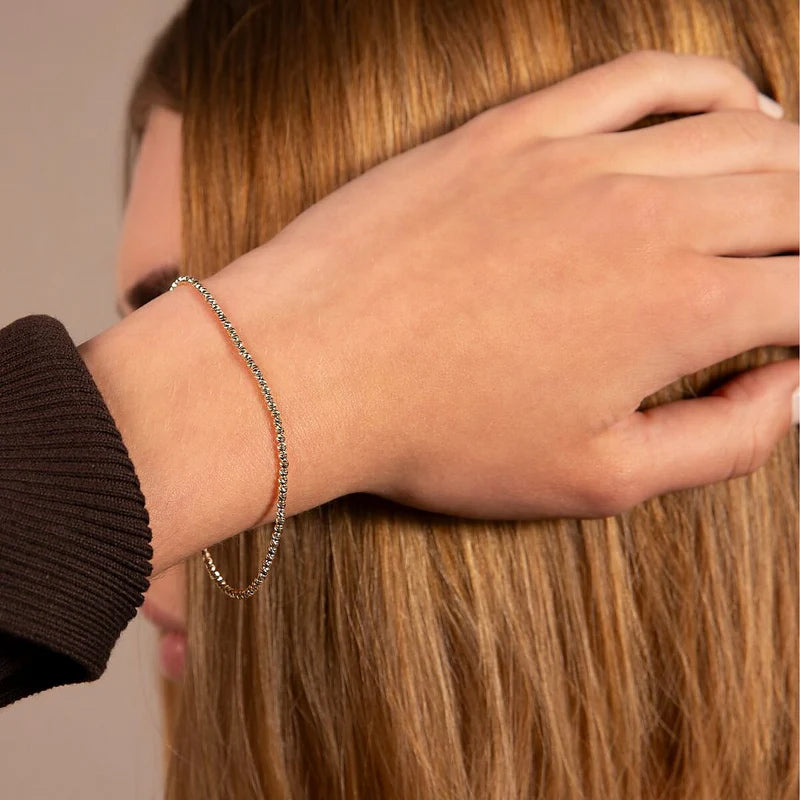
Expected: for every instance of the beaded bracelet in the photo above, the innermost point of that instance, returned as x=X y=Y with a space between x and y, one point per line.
x=249 y=590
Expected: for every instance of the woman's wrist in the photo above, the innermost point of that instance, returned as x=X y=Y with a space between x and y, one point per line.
x=195 y=423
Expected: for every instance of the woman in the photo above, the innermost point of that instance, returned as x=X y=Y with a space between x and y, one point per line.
x=401 y=653
x=71 y=505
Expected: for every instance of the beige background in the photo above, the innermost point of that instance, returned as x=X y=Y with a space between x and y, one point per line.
x=65 y=69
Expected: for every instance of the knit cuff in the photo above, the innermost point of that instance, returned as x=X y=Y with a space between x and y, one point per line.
x=75 y=553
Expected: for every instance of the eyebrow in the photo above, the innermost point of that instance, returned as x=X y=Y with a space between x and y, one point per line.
x=153 y=284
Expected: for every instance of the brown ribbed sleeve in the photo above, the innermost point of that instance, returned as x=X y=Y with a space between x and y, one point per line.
x=75 y=554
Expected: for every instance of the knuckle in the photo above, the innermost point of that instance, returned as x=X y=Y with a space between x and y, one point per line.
x=726 y=69
x=777 y=198
x=752 y=127
x=637 y=199
x=733 y=83
x=653 y=64
x=758 y=138
x=759 y=446
x=492 y=131
x=704 y=291
x=562 y=156
x=788 y=138
x=749 y=454
x=645 y=59
x=753 y=438
x=611 y=486
x=751 y=135
x=479 y=131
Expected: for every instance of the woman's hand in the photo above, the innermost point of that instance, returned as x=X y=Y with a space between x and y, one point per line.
x=471 y=326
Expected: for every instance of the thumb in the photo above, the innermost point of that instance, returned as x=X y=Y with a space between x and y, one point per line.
x=726 y=434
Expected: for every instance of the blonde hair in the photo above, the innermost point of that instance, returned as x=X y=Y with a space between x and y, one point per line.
x=394 y=653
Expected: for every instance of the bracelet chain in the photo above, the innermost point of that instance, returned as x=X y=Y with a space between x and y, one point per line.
x=213 y=571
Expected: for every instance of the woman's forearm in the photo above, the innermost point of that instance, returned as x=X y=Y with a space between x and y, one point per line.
x=195 y=423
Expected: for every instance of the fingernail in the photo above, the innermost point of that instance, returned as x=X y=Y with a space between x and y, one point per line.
x=769 y=106
x=796 y=406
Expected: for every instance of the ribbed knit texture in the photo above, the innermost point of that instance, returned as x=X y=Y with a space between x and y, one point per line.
x=75 y=554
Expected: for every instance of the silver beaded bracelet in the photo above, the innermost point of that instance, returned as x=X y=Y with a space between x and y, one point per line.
x=252 y=588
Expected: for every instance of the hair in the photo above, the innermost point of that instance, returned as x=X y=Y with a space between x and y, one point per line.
x=395 y=653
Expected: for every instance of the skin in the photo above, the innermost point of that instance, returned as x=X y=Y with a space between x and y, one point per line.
x=518 y=313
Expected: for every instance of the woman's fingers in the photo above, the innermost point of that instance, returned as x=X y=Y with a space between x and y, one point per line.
x=751 y=214
x=705 y=144
x=759 y=310
x=616 y=94
x=695 y=442
x=720 y=307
